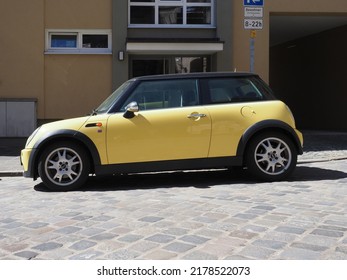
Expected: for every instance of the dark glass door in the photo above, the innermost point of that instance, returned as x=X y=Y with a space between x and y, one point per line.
x=144 y=66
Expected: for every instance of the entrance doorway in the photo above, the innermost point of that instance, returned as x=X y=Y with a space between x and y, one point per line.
x=143 y=66
x=307 y=67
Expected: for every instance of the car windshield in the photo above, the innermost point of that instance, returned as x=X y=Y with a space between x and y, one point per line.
x=109 y=101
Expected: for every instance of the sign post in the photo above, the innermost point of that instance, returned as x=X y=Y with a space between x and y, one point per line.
x=252 y=50
x=253 y=20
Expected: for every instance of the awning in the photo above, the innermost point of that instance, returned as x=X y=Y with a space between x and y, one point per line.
x=170 y=48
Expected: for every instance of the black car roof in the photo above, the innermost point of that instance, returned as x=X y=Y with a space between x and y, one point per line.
x=195 y=75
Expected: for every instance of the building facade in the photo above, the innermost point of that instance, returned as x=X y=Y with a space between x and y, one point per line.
x=162 y=37
x=65 y=80
x=69 y=55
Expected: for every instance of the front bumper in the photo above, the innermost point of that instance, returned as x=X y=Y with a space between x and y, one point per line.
x=26 y=161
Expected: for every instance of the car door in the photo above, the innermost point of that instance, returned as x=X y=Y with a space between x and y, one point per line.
x=170 y=125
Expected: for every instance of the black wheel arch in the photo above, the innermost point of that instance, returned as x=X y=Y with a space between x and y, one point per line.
x=264 y=126
x=63 y=135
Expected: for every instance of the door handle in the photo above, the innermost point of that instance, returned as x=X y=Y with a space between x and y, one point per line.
x=196 y=116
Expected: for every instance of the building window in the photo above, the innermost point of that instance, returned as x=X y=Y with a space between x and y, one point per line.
x=79 y=41
x=171 y=13
x=67 y=40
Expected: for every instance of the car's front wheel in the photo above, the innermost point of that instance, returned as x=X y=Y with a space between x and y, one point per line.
x=271 y=156
x=64 y=166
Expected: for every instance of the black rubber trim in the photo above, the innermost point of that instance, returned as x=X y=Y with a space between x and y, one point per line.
x=170 y=165
x=268 y=125
x=55 y=135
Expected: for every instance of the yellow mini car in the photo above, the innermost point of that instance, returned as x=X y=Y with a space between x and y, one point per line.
x=170 y=122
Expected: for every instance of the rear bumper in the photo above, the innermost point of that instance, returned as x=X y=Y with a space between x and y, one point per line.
x=300 y=140
x=27 y=174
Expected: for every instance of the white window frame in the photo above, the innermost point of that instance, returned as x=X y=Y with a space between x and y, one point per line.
x=79 y=46
x=183 y=3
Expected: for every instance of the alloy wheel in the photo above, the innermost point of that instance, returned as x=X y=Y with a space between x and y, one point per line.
x=273 y=156
x=63 y=166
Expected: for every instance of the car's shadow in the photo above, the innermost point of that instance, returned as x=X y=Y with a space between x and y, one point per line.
x=196 y=179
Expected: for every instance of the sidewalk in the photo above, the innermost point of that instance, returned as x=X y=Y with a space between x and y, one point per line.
x=10 y=156
x=318 y=146
x=323 y=146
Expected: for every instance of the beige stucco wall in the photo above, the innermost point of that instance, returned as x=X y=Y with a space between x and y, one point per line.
x=75 y=84
x=21 y=49
x=88 y=14
x=241 y=37
x=65 y=85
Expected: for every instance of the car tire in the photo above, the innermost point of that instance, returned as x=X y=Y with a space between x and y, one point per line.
x=271 y=156
x=64 y=166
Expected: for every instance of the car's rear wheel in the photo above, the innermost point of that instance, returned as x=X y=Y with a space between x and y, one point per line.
x=271 y=156
x=64 y=166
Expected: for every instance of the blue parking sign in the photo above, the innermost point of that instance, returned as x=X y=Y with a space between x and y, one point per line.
x=258 y=3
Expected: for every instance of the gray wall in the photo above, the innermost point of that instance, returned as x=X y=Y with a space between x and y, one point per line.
x=120 y=71
x=17 y=117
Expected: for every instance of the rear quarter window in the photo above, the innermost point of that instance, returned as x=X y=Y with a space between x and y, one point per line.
x=236 y=89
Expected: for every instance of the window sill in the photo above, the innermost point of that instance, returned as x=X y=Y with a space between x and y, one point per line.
x=170 y=26
x=104 y=52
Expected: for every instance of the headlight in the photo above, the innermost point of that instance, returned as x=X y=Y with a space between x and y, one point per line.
x=32 y=136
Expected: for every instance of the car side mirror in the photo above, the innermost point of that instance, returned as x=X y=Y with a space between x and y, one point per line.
x=130 y=110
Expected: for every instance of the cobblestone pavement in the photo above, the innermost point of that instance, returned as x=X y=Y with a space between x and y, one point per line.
x=182 y=215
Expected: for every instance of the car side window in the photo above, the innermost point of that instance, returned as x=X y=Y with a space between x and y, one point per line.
x=160 y=94
x=229 y=90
